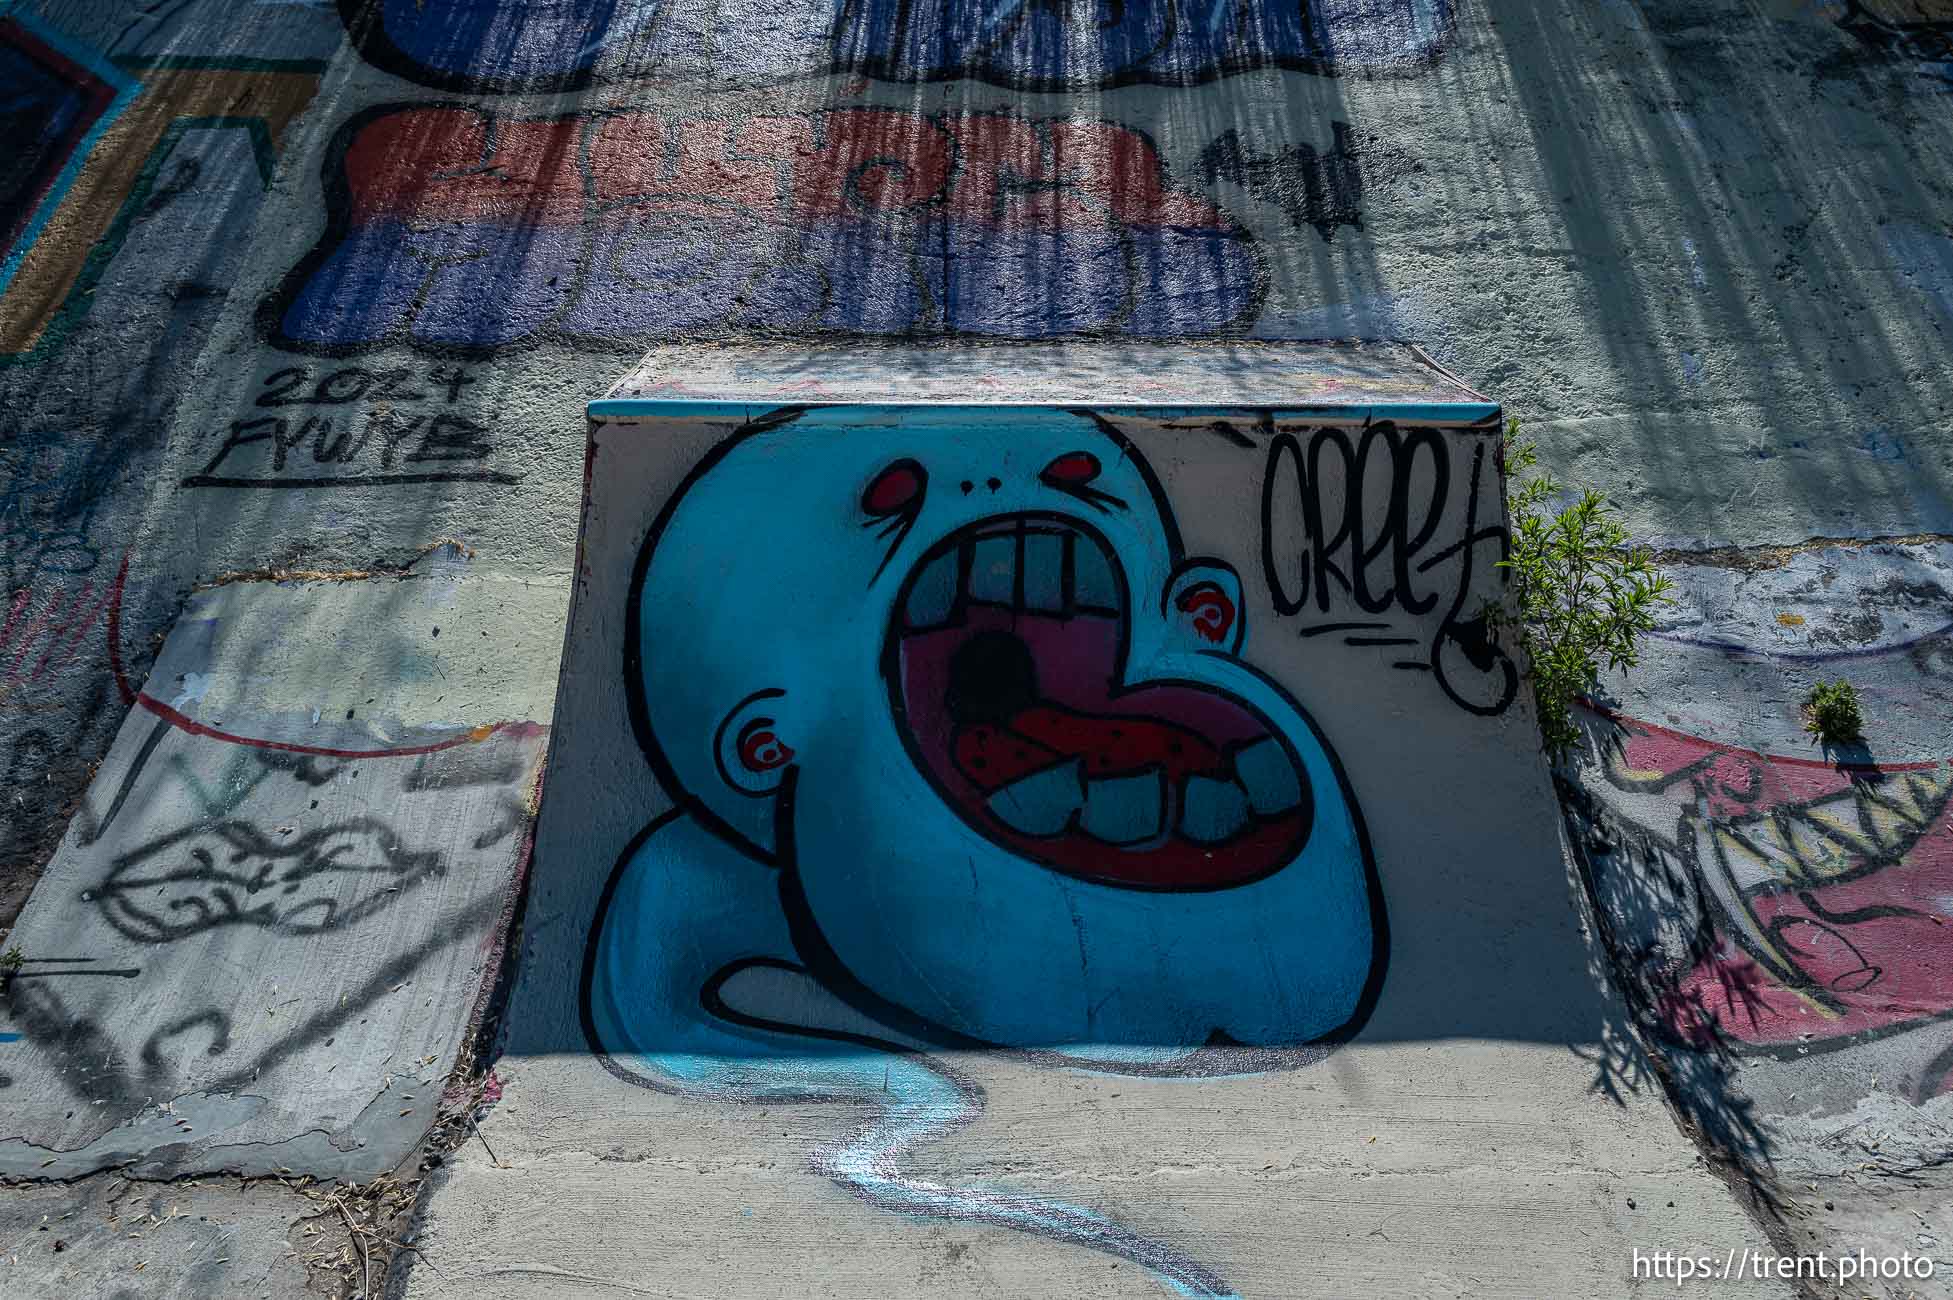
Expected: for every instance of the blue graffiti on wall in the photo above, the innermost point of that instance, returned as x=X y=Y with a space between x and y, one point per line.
x=482 y=46
x=978 y=764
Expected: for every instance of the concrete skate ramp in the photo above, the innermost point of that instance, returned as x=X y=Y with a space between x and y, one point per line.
x=1037 y=821
x=265 y=935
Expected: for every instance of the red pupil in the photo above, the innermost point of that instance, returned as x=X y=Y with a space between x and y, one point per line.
x=895 y=488
x=1078 y=467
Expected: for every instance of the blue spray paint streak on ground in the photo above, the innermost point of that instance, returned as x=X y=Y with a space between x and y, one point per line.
x=9 y=1038
x=919 y=1101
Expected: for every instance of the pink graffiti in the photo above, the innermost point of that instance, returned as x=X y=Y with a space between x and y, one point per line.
x=1830 y=886
x=52 y=624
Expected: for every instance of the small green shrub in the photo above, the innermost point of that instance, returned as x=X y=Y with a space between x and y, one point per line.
x=1831 y=713
x=1579 y=596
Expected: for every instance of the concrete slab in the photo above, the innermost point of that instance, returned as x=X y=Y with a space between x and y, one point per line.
x=118 y=1240
x=752 y=1100
x=266 y=933
x=1429 y=1169
x=1390 y=379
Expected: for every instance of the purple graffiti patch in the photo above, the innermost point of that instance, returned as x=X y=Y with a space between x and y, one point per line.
x=455 y=229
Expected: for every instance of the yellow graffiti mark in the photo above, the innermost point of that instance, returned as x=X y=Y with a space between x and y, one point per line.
x=1791 y=620
x=54 y=261
x=1872 y=822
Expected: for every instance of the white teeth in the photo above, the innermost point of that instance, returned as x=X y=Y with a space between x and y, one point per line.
x=1125 y=809
x=1044 y=571
x=993 y=570
x=1265 y=772
x=1016 y=566
x=1128 y=810
x=1211 y=810
x=934 y=594
x=1093 y=584
x=1042 y=803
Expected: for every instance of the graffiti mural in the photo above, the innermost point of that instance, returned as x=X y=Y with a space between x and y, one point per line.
x=981 y=751
x=45 y=629
x=251 y=888
x=483 y=47
x=60 y=98
x=113 y=172
x=608 y=229
x=1319 y=189
x=1772 y=903
x=51 y=488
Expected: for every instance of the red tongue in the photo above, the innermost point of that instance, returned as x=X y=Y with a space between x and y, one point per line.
x=1036 y=737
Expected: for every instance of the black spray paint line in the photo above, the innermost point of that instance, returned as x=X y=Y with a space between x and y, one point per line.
x=155 y=738
x=362 y=480
x=1346 y=558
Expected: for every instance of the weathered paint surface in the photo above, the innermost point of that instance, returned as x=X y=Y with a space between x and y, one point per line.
x=611 y=229
x=1817 y=889
x=484 y=46
x=1016 y=770
x=1701 y=248
x=262 y=939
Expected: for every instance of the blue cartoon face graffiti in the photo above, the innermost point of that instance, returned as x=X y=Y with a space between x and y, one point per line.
x=954 y=724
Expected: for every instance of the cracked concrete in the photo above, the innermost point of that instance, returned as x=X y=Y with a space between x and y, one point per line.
x=1699 y=246
x=262 y=942
x=1755 y=559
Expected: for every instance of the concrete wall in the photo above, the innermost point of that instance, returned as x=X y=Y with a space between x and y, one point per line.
x=288 y=285
x=833 y=905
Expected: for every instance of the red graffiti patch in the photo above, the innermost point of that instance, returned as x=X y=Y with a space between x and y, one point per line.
x=462 y=227
x=1210 y=609
x=1829 y=886
x=760 y=750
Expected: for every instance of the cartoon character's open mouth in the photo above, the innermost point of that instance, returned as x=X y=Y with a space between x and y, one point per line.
x=1005 y=656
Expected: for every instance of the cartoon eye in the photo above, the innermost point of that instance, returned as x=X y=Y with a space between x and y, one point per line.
x=1211 y=612
x=896 y=490
x=1073 y=469
x=760 y=750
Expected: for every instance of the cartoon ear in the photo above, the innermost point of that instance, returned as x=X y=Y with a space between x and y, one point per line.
x=752 y=751
x=1203 y=605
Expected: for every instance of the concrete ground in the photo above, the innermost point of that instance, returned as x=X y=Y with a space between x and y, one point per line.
x=118 y=1239
x=1448 y=1168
